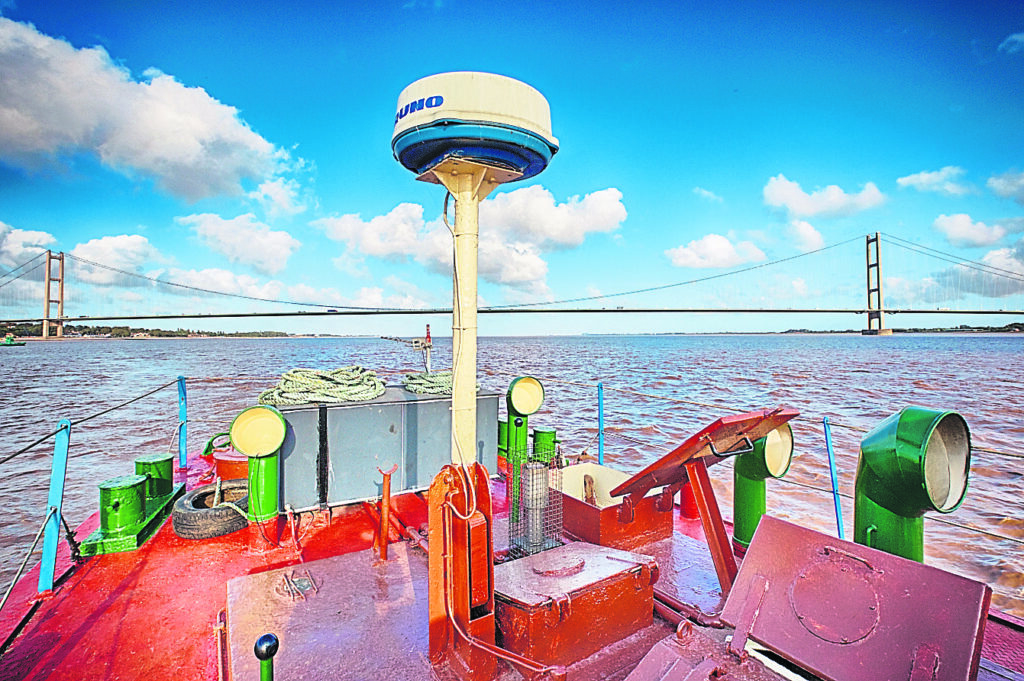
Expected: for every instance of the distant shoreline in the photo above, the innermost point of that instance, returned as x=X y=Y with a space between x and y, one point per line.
x=1009 y=329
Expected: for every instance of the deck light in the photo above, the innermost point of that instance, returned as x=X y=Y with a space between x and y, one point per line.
x=770 y=458
x=914 y=461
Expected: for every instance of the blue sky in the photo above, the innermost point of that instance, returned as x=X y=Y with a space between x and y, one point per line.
x=248 y=150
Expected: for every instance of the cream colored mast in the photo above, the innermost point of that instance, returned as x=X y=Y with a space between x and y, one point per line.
x=469 y=183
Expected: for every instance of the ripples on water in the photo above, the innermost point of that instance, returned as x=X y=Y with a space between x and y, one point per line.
x=854 y=380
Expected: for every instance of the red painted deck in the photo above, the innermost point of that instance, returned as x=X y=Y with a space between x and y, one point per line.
x=156 y=613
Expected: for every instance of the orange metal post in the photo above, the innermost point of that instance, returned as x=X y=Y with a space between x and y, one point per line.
x=385 y=511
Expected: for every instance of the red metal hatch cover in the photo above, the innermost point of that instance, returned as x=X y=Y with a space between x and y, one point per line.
x=846 y=612
x=727 y=435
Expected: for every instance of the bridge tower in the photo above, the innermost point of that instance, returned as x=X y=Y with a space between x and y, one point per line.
x=876 y=307
x=48 y=298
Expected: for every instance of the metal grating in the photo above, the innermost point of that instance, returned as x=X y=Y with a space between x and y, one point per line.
x=535 y=503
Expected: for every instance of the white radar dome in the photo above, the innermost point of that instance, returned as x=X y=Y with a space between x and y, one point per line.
x=483 y=117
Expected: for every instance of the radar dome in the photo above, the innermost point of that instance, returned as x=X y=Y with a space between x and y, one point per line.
x=482 y=117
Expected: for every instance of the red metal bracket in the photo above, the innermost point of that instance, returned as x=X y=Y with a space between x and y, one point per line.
x=626 y=510
x=714 y=526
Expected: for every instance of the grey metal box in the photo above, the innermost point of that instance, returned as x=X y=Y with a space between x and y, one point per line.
x=399 y=427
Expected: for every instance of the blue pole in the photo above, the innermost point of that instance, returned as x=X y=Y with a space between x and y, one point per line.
x=832 y=472
x=54 y=501
x=600 y=423
x=182 y=424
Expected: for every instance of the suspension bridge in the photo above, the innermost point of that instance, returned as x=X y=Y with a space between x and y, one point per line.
x=845 y=278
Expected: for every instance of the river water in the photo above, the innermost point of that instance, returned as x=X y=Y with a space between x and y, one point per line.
x=658 y=389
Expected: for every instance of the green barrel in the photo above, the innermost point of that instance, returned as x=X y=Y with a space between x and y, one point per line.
x=503 y=438
x=544 y=444
x=159 y=469
x=122 y=504
x=263 y=487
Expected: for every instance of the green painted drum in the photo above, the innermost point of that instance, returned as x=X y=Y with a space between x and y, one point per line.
x=122 y=504
x=544 y=442
x=503 y=438
x=263 y=487
x=159 y=469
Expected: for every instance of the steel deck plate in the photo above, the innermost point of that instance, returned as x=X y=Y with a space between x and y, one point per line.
x=359 y=618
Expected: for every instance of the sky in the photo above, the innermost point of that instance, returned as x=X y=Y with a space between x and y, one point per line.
x=247 y=150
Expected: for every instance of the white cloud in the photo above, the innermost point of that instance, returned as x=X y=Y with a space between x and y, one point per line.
x=127 y=252
x=532 y=215
x=708 y=195
x=1013 y=44
x=942 y=181
x=516 y=230
x=243 y=239
x=18 y=246
x=960 y=230
x=60 y=100
x=279 y=196
x=806 y=236
x=215 y=279
x=1009 y=185
x=831 y=201
x=714 y=250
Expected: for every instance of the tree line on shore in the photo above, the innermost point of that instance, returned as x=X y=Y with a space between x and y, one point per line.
x=29 y=330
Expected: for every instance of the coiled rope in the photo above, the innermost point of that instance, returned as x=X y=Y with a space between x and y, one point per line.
x=434 y=383
x=302 y=386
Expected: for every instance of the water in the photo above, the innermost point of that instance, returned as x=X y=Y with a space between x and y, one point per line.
x=658 y=389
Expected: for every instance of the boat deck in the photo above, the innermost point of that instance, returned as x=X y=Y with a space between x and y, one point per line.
x=197 y=607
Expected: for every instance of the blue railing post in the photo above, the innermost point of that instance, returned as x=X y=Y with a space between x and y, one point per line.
x=182 y=424
x=54 y=501
x=832 y=472
x=600 y=423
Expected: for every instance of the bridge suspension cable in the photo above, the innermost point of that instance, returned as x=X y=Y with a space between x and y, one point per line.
x=951 y=258
x=198 y=289
x=8 y=273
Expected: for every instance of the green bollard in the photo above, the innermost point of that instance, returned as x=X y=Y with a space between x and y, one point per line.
x=159 y=469
x=122 y=504
x=265 y=649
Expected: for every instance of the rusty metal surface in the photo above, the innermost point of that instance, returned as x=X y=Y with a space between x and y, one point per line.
x=725 y=434
x=562 y=605
x=615 y=661
x=694 y=655
x=348 y=617
x=846 y=612
x=687 y=575
x=568 y=569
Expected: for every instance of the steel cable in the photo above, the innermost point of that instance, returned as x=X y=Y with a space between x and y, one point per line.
x=83 y=420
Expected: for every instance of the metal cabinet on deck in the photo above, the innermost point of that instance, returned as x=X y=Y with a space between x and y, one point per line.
x=331 y=453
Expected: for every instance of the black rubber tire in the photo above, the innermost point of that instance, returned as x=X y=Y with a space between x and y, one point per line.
x=194 y=517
